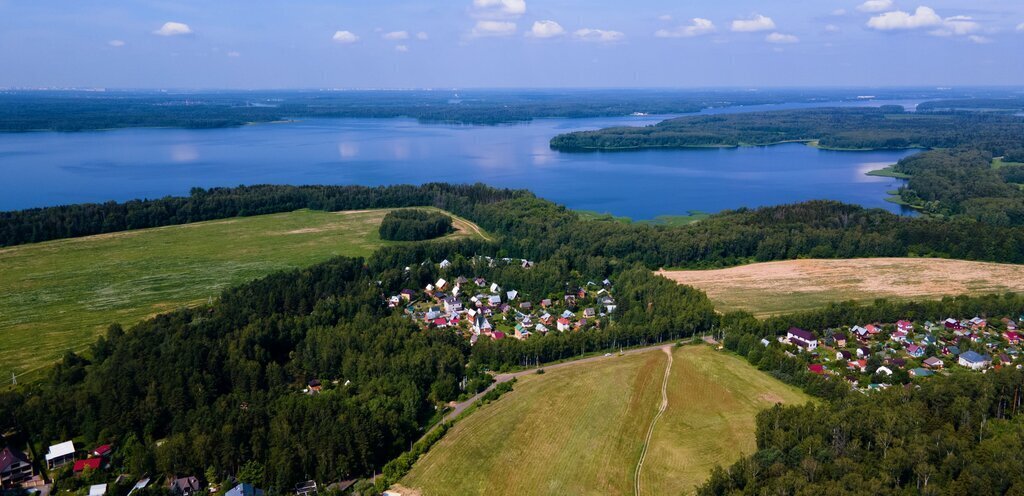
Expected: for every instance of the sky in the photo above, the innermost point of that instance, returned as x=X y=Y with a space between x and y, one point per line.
x=265 y=44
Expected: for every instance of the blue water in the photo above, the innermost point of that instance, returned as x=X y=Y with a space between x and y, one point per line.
x=41 y=169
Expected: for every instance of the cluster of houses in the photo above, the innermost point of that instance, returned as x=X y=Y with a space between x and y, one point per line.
x=920 y=350
x=18 y=472
x=478 y=308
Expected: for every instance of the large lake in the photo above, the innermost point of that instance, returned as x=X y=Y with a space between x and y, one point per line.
x=41 y=169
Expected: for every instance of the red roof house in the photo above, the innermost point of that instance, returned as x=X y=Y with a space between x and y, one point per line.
x=90 y=463
x=816 y=368
x=102 y=451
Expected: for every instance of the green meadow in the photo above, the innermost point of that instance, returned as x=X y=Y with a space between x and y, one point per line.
x=60 y=295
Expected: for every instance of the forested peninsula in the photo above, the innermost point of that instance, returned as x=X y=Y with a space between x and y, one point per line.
x=886 y=127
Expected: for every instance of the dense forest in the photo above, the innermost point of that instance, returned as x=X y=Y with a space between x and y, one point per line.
x=962 y=182
x=886 y=127
x=955 y=435
x=414 y=225
x=1004 y=104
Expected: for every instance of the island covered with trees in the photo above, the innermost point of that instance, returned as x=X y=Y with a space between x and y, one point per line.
x=414 y=225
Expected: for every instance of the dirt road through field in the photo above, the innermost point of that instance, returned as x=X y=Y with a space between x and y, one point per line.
x=654 y=421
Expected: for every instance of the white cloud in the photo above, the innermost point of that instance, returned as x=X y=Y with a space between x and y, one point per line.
x=899 y=20
x=493 y=28
x=756 y=23
x=396 y=35
x=598 y=35
x=233 y=54
x=956 y=26
x=665 y=17
x=697 y=28
x=832 y=28
x=981 y=40
x=422 y=36
x=173 y=29
x=546 y=29
x=499 y=8
x=401 y=48
x=875 y=5
x=345 y=37
x=781 y=38
x=1020 y=27
x=839 y=12
x=116 y=43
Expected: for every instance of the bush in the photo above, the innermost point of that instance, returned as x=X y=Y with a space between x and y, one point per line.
x=414 y=225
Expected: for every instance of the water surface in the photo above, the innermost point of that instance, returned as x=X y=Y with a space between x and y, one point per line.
x=45 y=168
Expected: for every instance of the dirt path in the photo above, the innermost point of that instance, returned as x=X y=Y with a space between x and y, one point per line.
x=654 y=421
x=471 y=226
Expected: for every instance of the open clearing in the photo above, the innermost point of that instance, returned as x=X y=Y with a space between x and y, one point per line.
x=60 y=295
x=794 y=285
x=580 y=430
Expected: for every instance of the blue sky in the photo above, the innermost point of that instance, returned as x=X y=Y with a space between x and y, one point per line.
x=509 y=43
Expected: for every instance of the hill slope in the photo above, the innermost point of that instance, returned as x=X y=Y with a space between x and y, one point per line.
x=580 y=430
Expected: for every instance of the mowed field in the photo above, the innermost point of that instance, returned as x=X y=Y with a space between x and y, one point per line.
x=580 y=430
x=713 y=398
x=781 y=287
x=61 y=295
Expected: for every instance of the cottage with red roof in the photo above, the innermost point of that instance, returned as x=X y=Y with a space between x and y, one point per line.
x=1012 y=337
x=93 y=464
x=564 y=324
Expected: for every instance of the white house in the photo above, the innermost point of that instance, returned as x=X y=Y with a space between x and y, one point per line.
x=974 y=361
x=98 y=490
x=60 y=455
x=804 y=339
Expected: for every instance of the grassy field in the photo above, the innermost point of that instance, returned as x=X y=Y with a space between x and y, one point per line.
x=60 y=295
x=789 y=286
x=999 y=162
x=713 y=399
x=579 y=430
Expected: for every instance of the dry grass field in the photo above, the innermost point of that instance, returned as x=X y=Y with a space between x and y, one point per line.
x=794 y=285
x=579 y=430
x=60 y=295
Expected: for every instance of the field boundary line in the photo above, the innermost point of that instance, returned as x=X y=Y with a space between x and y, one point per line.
x=654 y=421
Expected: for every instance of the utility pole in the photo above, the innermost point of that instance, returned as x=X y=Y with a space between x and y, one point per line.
x=14 y=379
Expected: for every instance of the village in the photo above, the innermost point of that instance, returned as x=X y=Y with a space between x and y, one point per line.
x=480 y=309
x=90 y=472
x=877 y=356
